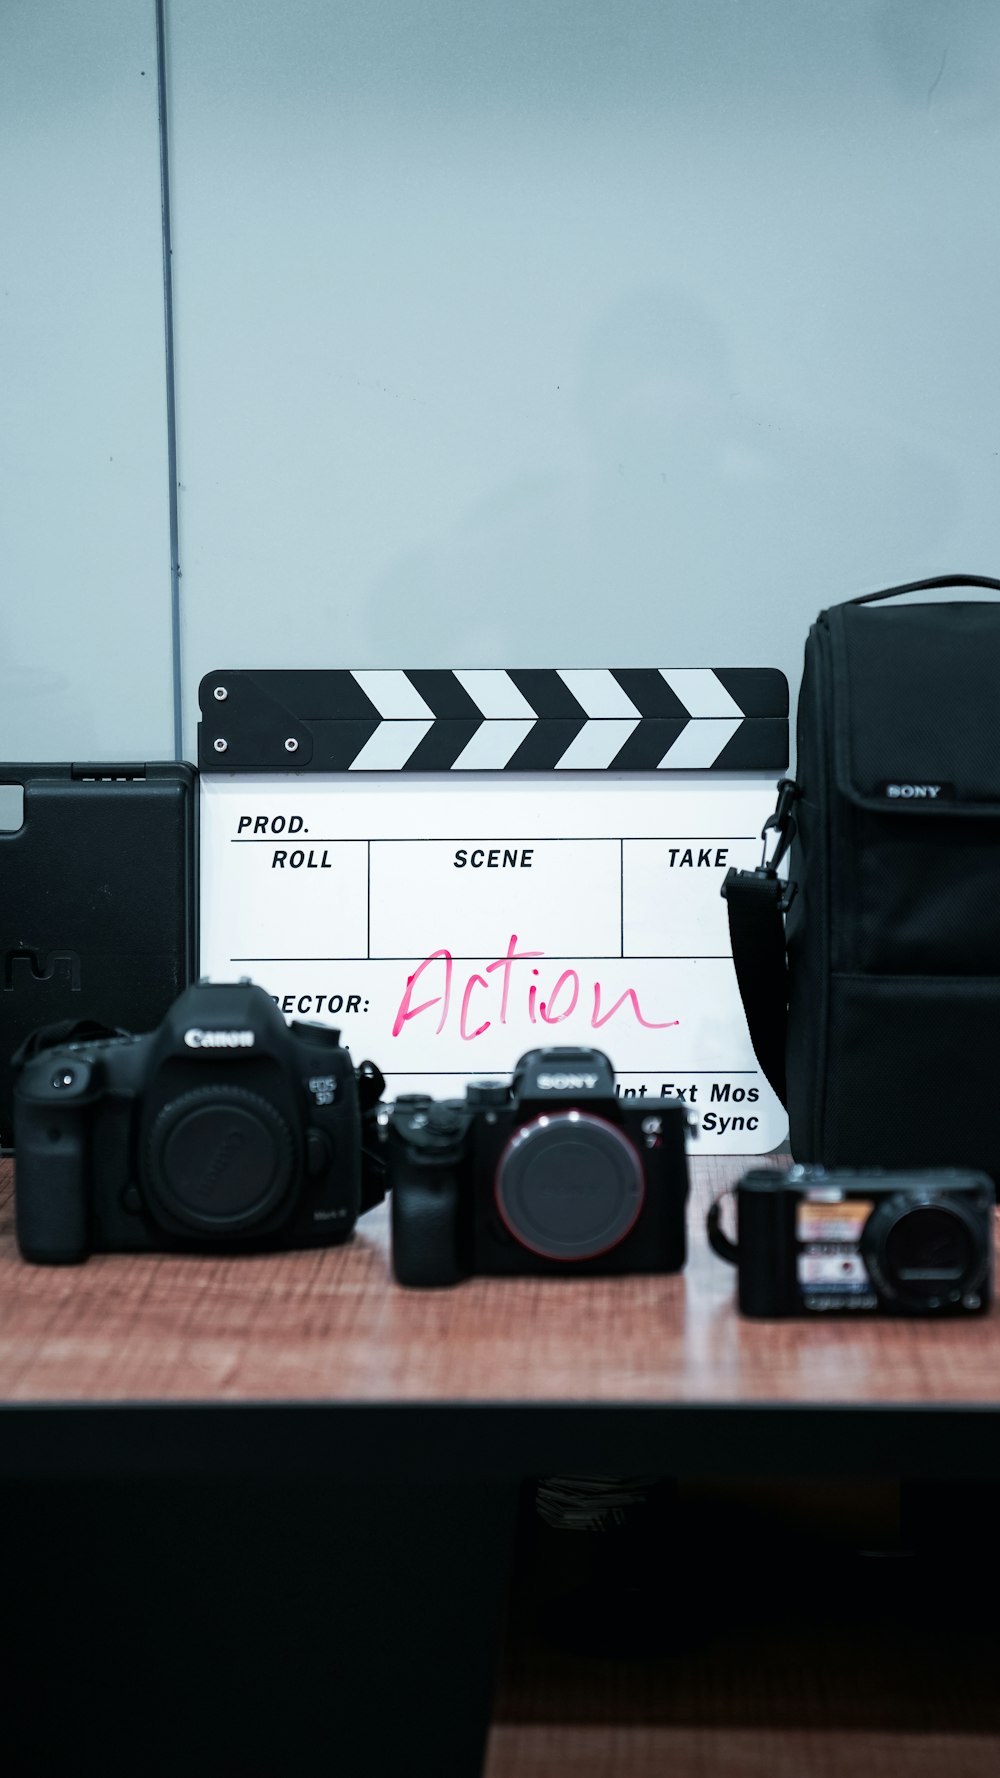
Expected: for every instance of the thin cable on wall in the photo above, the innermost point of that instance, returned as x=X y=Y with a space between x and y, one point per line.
x=168 y=340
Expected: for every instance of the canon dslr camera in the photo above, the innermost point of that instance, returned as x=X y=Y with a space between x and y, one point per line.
x=224 y=1127
x=812 y=1242
x=550 y=1173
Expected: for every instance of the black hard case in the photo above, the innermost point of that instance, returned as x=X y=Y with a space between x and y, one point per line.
x=97 y=900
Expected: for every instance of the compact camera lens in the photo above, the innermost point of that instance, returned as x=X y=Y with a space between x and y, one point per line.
x=924 y=1255
x=569 y=1186
x=219 y=1159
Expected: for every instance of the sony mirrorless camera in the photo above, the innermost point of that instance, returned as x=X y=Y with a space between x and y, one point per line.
x=224 y=1127
x=548 y=1173
x=812 y=1242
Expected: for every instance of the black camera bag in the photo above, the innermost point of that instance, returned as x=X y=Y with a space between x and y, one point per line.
x=871 y=979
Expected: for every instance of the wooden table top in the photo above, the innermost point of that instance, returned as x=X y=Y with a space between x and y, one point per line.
x=331 y=1326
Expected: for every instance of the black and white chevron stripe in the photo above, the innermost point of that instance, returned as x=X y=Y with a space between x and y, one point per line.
x=637 y=719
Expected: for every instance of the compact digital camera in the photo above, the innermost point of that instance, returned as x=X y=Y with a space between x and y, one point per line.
x=223 y=1127
x=812 y=1242
x=548 y=1173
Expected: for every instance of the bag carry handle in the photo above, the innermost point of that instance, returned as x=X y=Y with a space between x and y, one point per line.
x=927 y=586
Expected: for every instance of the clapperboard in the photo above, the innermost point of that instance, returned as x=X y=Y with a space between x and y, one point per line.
x=493 y=719
x=455 y=866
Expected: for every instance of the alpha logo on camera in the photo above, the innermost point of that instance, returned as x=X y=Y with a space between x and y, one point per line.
x=566 y=1083
x=197 y=1039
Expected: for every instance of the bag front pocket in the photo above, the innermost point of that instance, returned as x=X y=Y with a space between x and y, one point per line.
x=911 y=1076
x=925 y=895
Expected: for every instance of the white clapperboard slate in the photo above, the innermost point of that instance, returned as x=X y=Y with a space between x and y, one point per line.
x=456 y=866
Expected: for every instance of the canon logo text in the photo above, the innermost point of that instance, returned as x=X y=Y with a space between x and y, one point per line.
x=197 y=1039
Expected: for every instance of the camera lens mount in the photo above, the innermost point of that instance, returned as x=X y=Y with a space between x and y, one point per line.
x=219 y=1160
x=569 y=1185
x=924 y=1252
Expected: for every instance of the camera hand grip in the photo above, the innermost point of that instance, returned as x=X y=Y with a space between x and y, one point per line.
x=425 y=1241
x=50 y=1195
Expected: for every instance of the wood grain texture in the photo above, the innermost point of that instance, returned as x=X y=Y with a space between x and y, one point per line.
x=557 y=1751
x=808 y=1642
x=331 y=1325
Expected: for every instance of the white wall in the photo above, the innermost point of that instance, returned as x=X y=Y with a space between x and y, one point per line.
x=85 y=669
x=541 y=332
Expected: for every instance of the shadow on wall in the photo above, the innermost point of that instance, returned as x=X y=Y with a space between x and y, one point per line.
x=37 y=701
x=693 y=496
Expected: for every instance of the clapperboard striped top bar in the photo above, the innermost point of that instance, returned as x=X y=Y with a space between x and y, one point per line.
x=492 y=719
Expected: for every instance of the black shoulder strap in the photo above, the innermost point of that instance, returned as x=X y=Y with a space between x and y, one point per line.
x=47 y=1037
x=757 y=901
